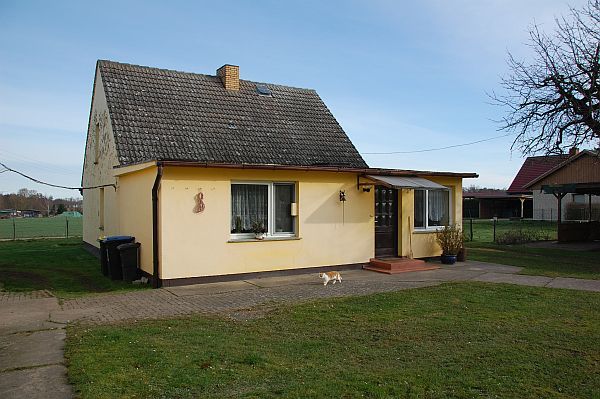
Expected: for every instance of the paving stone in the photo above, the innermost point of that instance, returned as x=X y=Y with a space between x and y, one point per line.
x=31 y=349
x=48 y=382
x=211 y=288
x=519 y=279
x=575 y=284
x=26 y=314
x=437 y=275
x=483 y=267
x=280 y=281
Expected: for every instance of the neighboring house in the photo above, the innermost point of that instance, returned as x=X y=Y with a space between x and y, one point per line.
x=190 y=162
x=487 y=204
x=31 y=213
x=7 y=213
x=574 y=184
x=532 y=168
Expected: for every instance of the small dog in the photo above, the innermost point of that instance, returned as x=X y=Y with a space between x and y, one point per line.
x=335 y=276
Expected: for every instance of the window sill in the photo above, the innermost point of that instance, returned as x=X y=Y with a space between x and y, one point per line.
x=427 y=230
x=272 y=238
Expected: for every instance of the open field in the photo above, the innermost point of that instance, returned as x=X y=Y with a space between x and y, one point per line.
x=41 y=227
x=61 y=266
x=483 y=229
x=539 y=261
x=454 y=340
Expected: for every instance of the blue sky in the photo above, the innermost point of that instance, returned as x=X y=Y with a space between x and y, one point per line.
x=398 y=76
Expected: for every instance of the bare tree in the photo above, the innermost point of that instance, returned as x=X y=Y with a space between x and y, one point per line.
x=553 y=102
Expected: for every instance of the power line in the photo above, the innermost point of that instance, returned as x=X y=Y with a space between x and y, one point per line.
x=35 y=163
x=54 y=185
x=436 y=149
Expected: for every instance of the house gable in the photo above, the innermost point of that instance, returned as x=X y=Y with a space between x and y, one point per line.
x=582 y=168
x=98 y=163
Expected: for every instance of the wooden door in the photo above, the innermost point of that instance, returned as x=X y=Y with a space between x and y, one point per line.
x=386 y=222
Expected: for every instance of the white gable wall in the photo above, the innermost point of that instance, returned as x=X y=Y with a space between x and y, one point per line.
x=99 y=173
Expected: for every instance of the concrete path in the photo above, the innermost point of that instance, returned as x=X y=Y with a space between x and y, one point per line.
x=32 y=329
x=31 y=348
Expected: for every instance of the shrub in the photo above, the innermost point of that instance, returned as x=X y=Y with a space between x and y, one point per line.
x=450 y=239
x=521 y=237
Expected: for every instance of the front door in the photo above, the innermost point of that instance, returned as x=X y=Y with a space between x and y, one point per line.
x=386 y=222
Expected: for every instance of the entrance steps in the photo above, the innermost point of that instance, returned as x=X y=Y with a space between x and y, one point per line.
x=398 y=265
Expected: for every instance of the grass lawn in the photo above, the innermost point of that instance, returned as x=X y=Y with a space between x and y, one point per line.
x=483 y=229
x=41 y=227
x=539 y=261
x=455 y=340
x=59 y=265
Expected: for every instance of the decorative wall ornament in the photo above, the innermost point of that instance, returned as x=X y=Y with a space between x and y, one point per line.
x=199 y=199
x=343 y=201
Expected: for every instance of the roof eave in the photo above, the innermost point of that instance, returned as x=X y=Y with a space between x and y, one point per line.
x=557 y=167
x=372 y=171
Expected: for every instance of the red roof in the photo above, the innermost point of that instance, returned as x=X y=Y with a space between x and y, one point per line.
x=532 y=168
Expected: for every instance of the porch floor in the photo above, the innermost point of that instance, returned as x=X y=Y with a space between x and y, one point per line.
x=398 y=265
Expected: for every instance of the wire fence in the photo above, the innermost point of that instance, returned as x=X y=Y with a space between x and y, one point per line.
x=508 y=230
x=38 y=227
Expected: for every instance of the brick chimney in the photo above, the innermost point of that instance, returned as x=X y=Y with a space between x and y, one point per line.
x=230 y=76
x=573 y=151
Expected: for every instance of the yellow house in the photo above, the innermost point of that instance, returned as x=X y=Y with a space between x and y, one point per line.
x=218 y=178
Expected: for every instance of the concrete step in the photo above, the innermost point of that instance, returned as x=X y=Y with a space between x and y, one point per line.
x=398 y=265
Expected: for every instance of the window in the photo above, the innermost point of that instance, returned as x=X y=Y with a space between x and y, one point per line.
x=101 y=210
x=579 y=198
x=432 y=208
x=269 y=203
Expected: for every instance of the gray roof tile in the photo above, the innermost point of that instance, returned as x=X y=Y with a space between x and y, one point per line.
x=159 y=114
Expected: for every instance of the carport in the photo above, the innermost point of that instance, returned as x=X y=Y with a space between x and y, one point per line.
x=576 y=231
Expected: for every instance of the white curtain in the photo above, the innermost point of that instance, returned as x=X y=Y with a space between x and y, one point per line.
x=249 y=203
x=438 y=206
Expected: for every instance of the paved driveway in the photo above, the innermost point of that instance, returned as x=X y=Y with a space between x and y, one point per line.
x=32 y=330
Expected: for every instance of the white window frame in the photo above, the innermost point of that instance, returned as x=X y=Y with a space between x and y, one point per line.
x=270 y=209
x=426 y=219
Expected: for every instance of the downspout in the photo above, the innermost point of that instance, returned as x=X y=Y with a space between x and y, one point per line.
x=155 y=259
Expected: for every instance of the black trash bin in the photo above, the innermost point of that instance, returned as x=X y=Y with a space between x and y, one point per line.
x=103 y=257
x=115 y=271
x=130 y=260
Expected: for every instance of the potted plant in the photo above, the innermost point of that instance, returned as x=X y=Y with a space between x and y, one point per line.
x=450 y=239
x=258 y=228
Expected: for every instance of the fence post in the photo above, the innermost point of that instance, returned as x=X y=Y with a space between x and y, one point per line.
x=67 y=220
x=495 y=219
x=471 y=228
x=14 y=230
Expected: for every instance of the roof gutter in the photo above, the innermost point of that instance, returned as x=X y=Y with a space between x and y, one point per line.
x=156 y=283
x=321 y=168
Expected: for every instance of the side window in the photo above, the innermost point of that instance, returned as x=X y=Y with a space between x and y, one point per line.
x=432 y=208
x=284 y=198
x=249 y=204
